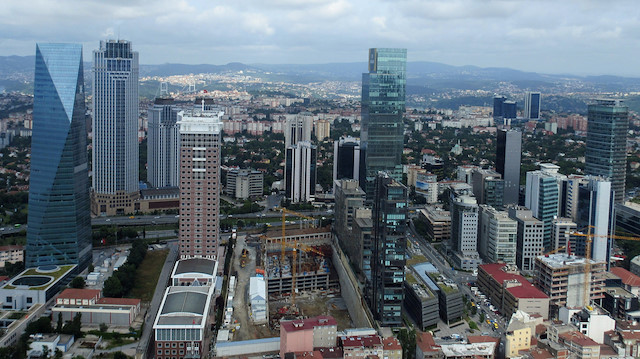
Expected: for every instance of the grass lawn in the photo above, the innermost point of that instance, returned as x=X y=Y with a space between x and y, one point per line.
x=147 y=275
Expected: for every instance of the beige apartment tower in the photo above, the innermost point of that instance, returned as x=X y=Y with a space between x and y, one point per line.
x=199 y=183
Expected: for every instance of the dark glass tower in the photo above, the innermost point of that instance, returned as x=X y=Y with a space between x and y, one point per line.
x=606 y=154
x=498 y=106
x=532 y=105
x=383 y=105
x=508 y=152
x=389 y=248
x=59 y=225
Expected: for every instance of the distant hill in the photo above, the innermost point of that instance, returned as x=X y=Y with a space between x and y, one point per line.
x=422 y=76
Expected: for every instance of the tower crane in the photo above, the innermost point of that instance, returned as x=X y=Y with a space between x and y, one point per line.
x=587 y=268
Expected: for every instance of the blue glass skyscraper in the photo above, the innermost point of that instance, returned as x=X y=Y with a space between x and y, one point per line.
x=383 y=105
x=59 y=224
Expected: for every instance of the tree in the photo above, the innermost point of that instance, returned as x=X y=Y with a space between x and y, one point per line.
x=112 y=287
x=60 y=323
x=120 y=355
x=74 y=327
x=407 y=340
x=41 y=325
x=103 y=327
x=78 y=282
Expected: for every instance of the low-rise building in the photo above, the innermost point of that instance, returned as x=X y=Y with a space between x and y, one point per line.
x=307 y=334
x=194 y=271
x=593 y=322
x=421 y=299
x=362 y=347
x=44 y=345
x=580 y=345
x=630 y=281
x=244 y=183
x=11 y=254
x=619 y=302
x=469 y=351
x=258 y=299
x=520 y=331
x=35 y=286
x=510 y=291
x=438 y=223
x=391 y=348
x=449 y=298
x=426 y=347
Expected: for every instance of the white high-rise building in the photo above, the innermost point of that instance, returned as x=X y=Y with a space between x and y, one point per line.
x=498 y=234
x=300 y=172
x=530 y=235
x=115 y=128
x=200 y=139
x=298 y=128
x=464 y=231
x=163 y=144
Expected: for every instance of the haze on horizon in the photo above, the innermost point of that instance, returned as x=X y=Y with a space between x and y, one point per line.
x=582 y=37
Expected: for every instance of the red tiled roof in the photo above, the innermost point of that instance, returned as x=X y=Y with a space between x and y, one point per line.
x=630 y=335
x=308 y=324
x=333 y=352
x=10 y=248
x=527 y=291
x=73 y=293
x=578 y=338
x=391 y=343
x=366 y=341
x=524 y=290
x=607 y=351
x=539 y=353
x=118 y=301
x=425 y=342
x=314 y=354
x=627 y=277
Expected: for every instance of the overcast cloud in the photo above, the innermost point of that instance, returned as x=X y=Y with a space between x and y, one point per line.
x=551 y=36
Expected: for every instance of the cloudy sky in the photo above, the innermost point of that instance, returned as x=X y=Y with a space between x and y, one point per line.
x=551 y=36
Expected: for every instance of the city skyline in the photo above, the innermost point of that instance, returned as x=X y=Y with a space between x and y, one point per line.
x=463 y=32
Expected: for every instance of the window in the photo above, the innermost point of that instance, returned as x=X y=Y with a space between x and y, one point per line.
x=29 y=300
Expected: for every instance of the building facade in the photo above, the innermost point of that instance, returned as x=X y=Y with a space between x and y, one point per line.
x=508 y=156
x=498 y=235
x=389 y=248
x=532 y=102
x=383 y=105
x=346 y=159
x=464 y=231
x=244 y=183
x=115 y=128
x=59 y=223
x=530 y=238
x=200 y=144
x=542 y=197
x=163 y=144
x=606 y=155
x=300 y=172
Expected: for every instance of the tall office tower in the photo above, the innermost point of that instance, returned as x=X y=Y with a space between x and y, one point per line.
x=595 y=209
x=510 y=109
x=488 y=187
x=464 y=231
x=542 y=197
x=498 y=235
x=300 y=172
x=59 y=223
x=163 y=144
x=498 y=106
x=298 y=128
x=346 y=159
x=199 y=183
x=389 y=248
x=115 y=128
x=561 y=237
x=530 y=236
x=383 y=105
x=532 y=105
x=348 y=198
x=322 y=129
x=508 y=152
x=606 y=156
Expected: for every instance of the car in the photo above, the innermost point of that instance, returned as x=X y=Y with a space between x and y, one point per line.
x=2 y=229
x=108 y=220
x=156 y=217
x=132 y=217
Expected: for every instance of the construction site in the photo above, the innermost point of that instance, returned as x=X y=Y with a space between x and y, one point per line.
x=300 y=280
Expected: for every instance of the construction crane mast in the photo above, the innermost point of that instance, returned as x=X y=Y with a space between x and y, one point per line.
x=295 y=247
x=587 y=267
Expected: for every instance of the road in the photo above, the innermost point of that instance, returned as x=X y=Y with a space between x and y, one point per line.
x=461 y=278
x=151 y=312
